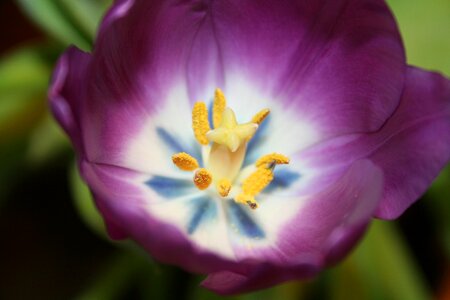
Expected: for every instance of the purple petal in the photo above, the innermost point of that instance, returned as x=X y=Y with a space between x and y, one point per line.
x=324 y=230
x=119 y=10
x=67 y=92
x=339 y=64
x=411 y=147
x=417 y=142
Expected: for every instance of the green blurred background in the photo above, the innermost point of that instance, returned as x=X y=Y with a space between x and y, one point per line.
x=53 y=244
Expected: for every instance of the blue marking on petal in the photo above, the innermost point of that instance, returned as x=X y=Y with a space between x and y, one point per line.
x=204 y=209
x=170 y=187
x=259 y=138
x=243 y=222
x=283 y=178
x=171 y=141
x=210 y=115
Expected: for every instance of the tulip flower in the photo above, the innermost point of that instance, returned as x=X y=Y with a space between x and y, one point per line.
x=250 y=140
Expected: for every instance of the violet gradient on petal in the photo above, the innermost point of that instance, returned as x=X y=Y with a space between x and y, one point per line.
x=384 y=128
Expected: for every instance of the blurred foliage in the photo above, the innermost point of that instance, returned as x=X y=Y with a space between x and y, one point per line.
x=23 y=87
x=23 y=107
x=382 y=267
x=425 y=28
x=84 y=203
x=68 y=21
x=28 y=134
x=439 y=202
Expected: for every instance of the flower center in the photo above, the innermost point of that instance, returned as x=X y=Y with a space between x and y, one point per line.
x=224 y=148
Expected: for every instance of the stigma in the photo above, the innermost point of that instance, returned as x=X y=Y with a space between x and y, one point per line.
x=224 y=149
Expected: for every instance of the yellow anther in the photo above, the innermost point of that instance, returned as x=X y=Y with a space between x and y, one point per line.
x=260 y=116
x=271 y=158
x=247 y=199
x=184 y=161
x=253 y=185
x=257 y=181
x=224 y=187
x=202 y=179
x=200 y=123
x=218 y=107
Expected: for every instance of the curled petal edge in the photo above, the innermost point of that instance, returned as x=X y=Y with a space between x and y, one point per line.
x=419 y=151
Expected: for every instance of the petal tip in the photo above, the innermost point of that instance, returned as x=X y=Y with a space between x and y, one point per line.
x=117 y=11
x=64 y=91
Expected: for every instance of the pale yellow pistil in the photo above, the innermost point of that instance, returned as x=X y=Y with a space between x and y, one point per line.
x=224 y=152
x=230 y=133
